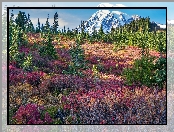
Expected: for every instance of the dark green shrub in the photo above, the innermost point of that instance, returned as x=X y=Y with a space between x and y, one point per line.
x=147 y=73
x=160 y=75
x=142 y=72
x=78 y=61
x=19 y=58
x=48 y=49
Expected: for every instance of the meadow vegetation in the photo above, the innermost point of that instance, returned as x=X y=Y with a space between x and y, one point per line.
x=67 y=77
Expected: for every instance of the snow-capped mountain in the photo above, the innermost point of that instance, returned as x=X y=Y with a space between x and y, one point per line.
x=170 y=22
x=107 y=19
x=162 y=26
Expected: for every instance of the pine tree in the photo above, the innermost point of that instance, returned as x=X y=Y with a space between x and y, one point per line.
x=76 y=31
x=30 y=26
x=22 y=20
x=55 y=24
x=42 y=28
x=64 y=30
x=32 y=29
x=38 y=28
x=112 y=30
x=101 y=30
x=68 y=31
x=47 y=26
x=82 y=28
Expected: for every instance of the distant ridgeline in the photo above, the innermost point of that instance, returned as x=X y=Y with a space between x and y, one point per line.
x=154 y=26
x=142 y=24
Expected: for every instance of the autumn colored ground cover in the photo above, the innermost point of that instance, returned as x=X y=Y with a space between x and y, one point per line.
x=63 y=91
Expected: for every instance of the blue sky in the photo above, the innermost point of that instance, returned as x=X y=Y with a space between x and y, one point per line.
x=72 y=18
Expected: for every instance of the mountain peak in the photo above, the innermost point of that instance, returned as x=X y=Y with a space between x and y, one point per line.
x=117 y=12
x=107 y=19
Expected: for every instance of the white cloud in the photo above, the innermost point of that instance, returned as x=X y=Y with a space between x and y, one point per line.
x=110 y=5
x=120 y=5
x=68 y=19
x=62 y=23
x=105 y=5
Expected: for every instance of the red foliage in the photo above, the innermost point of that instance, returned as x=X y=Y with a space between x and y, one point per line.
x=29 y=114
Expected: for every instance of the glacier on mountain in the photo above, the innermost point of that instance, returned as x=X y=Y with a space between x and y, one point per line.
x=107 y=19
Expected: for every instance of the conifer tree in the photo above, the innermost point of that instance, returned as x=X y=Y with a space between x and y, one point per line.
x=38 y=29
x=101 y=30
x=55 y=24
x=22 y=20
x=64 y=30
x=42 y=28
x=47 y=26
